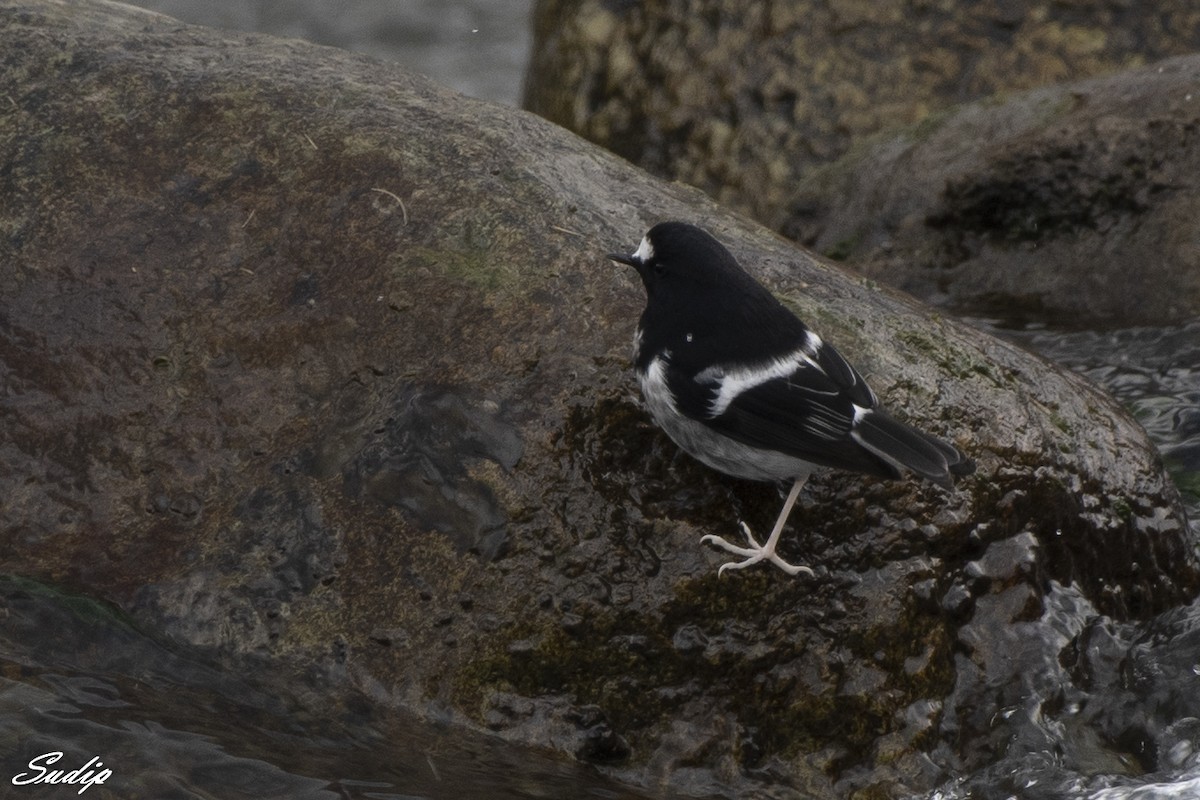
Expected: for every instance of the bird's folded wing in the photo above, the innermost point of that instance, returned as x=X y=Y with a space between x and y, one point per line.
x=842 y=375
x=805 y=413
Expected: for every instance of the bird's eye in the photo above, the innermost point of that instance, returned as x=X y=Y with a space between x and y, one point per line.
x=659 y=268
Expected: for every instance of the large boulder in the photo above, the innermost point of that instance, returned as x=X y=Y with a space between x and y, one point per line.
x=1076 y=204
x=308 y=360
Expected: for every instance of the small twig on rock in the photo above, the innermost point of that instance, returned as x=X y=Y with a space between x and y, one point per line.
x=395 y=197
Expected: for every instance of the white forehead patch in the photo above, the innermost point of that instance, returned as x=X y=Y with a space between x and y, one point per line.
x=645 y=250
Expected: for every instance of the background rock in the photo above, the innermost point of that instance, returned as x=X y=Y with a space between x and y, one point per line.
x=831 y=122
x=743 y=98
x=308 y=361
x=1076 y=204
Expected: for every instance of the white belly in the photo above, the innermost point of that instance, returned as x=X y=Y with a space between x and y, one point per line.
x=713 y=449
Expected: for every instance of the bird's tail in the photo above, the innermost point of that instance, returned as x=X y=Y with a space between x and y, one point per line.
x=907 y=448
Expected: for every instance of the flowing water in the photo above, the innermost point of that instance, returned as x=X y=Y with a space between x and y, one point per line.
x=77 y=679
x=478 y=47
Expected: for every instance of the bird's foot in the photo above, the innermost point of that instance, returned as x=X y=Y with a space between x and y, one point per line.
x=752 y=554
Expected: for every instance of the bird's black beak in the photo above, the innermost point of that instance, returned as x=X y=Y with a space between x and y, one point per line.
x=624 y=259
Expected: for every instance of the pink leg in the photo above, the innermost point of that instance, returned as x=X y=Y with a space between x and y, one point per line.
x=758 y=552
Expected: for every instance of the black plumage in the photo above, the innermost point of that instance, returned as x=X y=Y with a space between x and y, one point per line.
x=740 y=383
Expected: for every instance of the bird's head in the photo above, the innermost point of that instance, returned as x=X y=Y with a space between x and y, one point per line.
x=679 y=260
x=697 y=292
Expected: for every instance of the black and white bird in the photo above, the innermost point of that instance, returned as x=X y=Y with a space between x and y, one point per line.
x=740 y=383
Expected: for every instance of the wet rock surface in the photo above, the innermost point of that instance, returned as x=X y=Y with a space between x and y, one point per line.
x=1093 y=708
x=310 y=362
